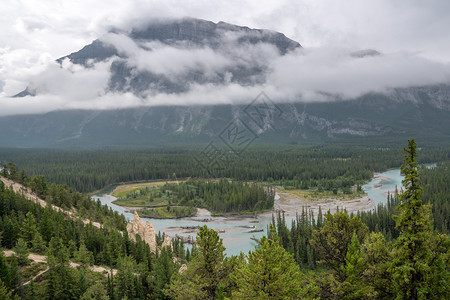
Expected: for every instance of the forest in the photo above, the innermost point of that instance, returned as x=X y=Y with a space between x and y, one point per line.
x=291 y=166
x=219 y=197
x=28 y=227
x=400 y=250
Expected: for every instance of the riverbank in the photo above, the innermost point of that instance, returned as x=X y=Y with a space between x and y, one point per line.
x=291 y=204
x=238 y=232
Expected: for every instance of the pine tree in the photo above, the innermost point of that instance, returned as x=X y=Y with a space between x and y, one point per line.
x=83 y=283
x=60 y=284
x=206 y=275
x=333 y=239
x=126 y=269
x=31 y=290
x=84 y=256
x=5 y=294
x=354 y=287
x=270 y=272
x=164 y=268
x=38 y=244
x=14 y=274
x=29 y=228
x=377 y=257
x=21 y=251
x=95 y=292
x=210 y=251
x=4 y=269
x=417 y=249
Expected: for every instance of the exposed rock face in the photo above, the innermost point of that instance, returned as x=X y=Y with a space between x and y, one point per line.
x=245 y=47
x=167 y=242
x=182 y=268
x=401 y=112
x=147 y=232
x=206 y=33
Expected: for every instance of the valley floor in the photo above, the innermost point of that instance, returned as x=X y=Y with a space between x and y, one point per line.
x=292 y=204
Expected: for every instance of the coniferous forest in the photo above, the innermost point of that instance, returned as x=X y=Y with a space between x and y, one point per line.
x=219 y=197
x=291 y=166
x=80 y=249
x=203 y=150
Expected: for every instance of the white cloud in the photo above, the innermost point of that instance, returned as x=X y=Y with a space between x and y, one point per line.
x=72 y=82
x=167 y=60
x=412 y=35
x=334 y=71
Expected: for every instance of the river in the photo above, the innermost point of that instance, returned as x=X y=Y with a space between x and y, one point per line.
x=235 y=231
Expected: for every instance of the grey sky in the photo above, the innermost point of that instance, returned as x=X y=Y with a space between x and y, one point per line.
x=412 y=34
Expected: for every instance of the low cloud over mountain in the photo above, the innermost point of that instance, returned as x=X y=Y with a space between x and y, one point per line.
x=192 y=61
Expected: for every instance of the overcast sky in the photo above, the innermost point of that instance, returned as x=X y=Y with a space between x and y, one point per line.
x=413 y=35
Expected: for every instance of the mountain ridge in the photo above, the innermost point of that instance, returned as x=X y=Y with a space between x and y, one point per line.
x=399 y=112
x=370 y=116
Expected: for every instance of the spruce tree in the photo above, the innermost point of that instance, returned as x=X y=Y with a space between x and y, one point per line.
x=22 y=252
x=417 y=249
x=333 y=239
x=354 y=287
x=207 y=273
x=38 y=243
x=270 y=272
x=5 y=293
x=95 y=292
x=4 y=269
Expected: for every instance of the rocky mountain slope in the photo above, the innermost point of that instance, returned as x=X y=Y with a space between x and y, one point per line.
x=222 y=54
x=232 y=51
x=418 y=112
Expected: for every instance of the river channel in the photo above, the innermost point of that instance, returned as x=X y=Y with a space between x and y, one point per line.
x=236 y=232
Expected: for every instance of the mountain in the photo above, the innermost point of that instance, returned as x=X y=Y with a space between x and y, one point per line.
x=227 y=41
x=403 y=114
x=221 y=54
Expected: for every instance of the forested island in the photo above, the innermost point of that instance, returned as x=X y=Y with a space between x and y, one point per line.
x=175 y=200
x=58 y=243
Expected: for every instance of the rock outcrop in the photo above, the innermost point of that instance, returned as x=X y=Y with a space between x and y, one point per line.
x=167 y=242
x=147 y=232
x=182 y=269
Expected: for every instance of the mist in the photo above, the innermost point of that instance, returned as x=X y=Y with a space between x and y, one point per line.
x=411 y=48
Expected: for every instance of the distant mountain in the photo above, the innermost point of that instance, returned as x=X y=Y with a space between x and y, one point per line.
x=187 y=34
x=416 y=111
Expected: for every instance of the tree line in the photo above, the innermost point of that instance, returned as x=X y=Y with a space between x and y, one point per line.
x=223 y=196
x=328 y=167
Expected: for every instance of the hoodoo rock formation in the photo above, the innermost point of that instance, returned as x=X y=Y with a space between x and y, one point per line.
x=167 y=242
x=147 y=232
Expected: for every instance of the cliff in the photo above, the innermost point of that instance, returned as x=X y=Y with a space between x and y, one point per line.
x=146 y=232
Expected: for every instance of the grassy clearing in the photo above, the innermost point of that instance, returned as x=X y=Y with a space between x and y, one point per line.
x=141 y=203
x=144 y=195
x=122 y=190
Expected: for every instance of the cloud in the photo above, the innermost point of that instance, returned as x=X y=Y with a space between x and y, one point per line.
x=305 y=75
x=316 y=74
x=73 y=82
x=411 y=35
x=167 y=60
x=333 y=71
